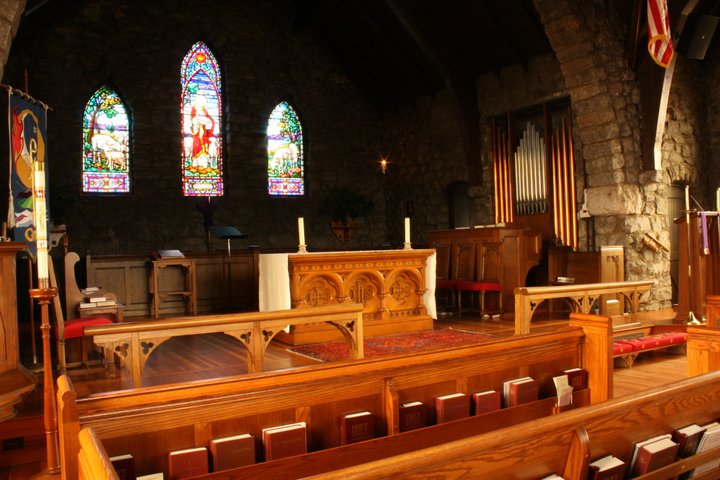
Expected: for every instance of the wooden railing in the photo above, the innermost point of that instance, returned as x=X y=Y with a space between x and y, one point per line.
x=134 y=342
x=150 y=422
x=581 y=298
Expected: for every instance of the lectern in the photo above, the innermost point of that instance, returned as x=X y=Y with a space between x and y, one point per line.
x=226 y=232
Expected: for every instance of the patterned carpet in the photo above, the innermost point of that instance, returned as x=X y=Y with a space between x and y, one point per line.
x=391 y=344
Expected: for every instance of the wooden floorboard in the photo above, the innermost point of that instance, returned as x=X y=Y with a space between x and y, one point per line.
x=183 y=359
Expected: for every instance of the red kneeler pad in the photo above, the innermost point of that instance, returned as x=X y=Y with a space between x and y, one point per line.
x=74 y=327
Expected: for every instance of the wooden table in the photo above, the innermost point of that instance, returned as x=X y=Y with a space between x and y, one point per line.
x=187 y=290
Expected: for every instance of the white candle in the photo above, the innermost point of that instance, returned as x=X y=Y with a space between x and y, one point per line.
x=407 y=229
x=687 y=197
x=301 y=230
x=40 y=212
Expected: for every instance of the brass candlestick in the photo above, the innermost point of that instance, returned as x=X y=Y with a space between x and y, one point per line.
x=44 y=296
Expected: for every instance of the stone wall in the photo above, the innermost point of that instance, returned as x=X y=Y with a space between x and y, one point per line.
x=10 y=14
x=136 y=48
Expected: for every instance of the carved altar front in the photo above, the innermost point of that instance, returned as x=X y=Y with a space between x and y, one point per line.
x=390 y=284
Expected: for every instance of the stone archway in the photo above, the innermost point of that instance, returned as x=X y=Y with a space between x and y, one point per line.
x=10 y=15
x=624 y=201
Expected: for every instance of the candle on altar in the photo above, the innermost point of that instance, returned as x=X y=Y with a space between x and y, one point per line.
x=687 y=198
x=301 y=230
x=40 y=212
x=407 y=229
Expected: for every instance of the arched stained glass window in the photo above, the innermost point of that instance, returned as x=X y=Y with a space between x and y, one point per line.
x=106 y=139
x=200 y=104
x=286 y=168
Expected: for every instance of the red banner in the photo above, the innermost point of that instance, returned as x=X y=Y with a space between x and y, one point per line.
x=659 y=34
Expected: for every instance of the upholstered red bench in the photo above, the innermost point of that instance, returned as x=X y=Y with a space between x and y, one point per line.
x=627 y=349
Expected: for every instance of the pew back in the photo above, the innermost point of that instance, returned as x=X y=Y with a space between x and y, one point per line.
x=150 y=422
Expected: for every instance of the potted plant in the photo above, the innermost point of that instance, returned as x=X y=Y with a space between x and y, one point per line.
x=343 y=205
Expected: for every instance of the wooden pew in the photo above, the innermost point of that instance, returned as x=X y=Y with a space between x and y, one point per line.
x=134 y=342
x=703 y=349
x=581 y=298
x=562 y=444
x=150 y=422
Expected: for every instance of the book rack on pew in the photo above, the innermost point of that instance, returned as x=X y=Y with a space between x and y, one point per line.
x=150 y=422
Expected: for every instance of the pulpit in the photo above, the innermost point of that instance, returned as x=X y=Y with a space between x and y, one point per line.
x=698 y=263
x=15 y=380
x=396 y=288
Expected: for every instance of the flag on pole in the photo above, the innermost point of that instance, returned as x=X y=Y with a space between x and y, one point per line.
x=659 y=34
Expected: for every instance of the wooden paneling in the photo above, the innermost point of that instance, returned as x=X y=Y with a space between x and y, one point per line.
x=128 y=277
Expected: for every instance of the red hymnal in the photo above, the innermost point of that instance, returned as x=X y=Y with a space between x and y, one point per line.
x=485 y=402
x=186 y=463
x=124 y=465
x=356 y=427
x=688 y=438
x=412 y=415
x=654 y=455
x=519 y=391
x=577 y=378
x=231 y=452
x=452 y=407
x=607 y=468
x=285 y=441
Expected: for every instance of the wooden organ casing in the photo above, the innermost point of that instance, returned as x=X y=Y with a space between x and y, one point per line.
x=534 y=172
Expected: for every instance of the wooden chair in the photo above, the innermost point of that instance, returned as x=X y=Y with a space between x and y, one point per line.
x=73 y=328
x=489 y=268
x=444 y=284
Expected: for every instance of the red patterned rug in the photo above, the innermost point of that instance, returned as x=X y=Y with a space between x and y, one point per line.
x=391 y=344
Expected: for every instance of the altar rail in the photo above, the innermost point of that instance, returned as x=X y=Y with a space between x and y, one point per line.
x=134 y=342
x=581 y=298
x=149 y=422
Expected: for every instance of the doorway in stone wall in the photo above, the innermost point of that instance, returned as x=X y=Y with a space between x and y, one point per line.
x=676 y=206
x=462 y=211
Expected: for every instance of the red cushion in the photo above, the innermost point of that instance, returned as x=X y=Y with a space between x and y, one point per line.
x=479 y=286
x=74 y=327
x=675 y=337
x=445 y=284
x=621 y=346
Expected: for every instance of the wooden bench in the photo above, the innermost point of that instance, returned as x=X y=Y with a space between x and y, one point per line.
x=628 y=348
x=564 y=443
x=581 y=298
x=152 y=421
x=134 y=342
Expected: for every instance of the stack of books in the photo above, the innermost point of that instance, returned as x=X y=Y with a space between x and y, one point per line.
x=95 y=297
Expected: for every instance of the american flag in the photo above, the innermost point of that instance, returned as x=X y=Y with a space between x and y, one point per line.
x=659 y=35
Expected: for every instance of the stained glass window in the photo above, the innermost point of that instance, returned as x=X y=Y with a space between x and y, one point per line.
x=202 y=156
x=285 y=152
x=106 y=137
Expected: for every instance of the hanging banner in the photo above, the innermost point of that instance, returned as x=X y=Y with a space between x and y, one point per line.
x=27 y=145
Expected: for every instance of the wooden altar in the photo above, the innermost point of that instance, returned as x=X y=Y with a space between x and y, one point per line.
x=390 y=284
x=698 y=263
x=15 y=380
x=458 y=258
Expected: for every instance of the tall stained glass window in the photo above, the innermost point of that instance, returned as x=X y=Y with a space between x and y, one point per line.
x=202 y=156
x=106 y=137
x=285 y=152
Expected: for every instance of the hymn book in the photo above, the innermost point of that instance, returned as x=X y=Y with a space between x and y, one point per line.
x=577 y=378
x=412 y=415
x=607 y=468
x=187 y=463
x=654 y=455
x=688 y=438
x=356 y=427
x=452 y=407
x=124 y=465
x=519 y=391
x=231 y=452
x=285 y=440
x=710 y=439
x=485 y=402
x=639 y=445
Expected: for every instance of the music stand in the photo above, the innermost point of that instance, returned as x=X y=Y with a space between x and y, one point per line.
x=226 y=232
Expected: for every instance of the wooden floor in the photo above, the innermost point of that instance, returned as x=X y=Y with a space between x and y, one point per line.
x=218 y=355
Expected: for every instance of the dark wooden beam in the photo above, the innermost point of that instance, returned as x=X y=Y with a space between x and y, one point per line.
x=457 y=79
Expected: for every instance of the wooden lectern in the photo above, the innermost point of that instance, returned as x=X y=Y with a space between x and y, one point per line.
x=698 y=263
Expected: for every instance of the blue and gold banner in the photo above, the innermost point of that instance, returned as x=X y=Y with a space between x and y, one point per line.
x=28 y=123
